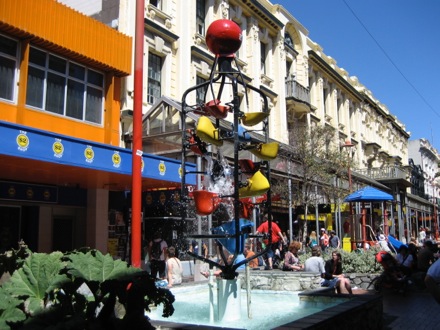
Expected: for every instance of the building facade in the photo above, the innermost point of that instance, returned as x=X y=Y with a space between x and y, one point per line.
x=62 y=165
x=304 y=87
x=303 y=84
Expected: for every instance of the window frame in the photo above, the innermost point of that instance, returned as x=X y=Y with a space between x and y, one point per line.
x=154 y=84
x=85 y=104
x=263 y=57
x=15 y=67
x=200 y=17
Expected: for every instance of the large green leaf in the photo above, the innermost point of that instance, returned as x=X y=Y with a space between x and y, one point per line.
x=8 y=310
x=6 y=300
x=98 y=267
x=11 y=315
x=38 y=276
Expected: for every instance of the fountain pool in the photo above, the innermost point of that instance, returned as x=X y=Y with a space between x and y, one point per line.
x=269 y=309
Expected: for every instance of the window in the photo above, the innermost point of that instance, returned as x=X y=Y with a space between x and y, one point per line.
x=200 y=16
x=65 y=88
x=8 y=67
x=154 y=78
x=324 y=97
x=263 y=58
x=156 y=3
x=200 y=92
x=288 y=40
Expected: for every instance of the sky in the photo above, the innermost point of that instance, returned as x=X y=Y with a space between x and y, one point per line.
x=392 y=46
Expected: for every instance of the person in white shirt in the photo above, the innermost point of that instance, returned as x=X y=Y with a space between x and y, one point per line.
x=174 y=268
x=383 y=244
x=315 y=264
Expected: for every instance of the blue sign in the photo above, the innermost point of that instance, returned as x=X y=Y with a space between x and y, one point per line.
x=26 y=142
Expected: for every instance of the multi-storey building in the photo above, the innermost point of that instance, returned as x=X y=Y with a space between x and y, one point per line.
x=62 y=165
x=303 y=85
x=424 y=158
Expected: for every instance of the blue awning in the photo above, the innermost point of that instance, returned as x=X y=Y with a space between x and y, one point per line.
x=25 y=150
x=369 y=194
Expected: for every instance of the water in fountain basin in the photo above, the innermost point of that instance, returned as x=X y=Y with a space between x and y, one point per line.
x=269 y=308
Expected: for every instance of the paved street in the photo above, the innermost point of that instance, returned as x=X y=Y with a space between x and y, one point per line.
x=415 y=310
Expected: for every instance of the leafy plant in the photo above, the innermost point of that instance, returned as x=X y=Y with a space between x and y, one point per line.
x=13 y=259
x=359 y=261
x=79 y=290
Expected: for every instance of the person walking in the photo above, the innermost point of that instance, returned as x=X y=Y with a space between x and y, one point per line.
x=323 y=240
x=156 y=250
x=335 y=242
x=313 y=240
x=276 y=237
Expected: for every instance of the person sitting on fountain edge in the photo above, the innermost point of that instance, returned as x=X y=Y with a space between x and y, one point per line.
x=277 y=235
x=248 y=253
x=333 y=277
x=315 y=264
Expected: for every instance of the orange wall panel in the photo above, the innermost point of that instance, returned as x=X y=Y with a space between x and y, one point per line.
x=52 y=24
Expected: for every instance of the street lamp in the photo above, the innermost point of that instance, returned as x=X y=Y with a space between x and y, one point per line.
x=350 y=145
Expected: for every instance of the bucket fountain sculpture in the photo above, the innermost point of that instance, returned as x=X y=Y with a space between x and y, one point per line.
x=245 y=179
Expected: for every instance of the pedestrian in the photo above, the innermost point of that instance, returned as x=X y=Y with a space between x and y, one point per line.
x=277 y=235
x=405 y=260
x=156 y=250
x=425 y=256
x=313 y=240
x=333 y=277
x=174 y=268
x=248 y=253
x=422 y=236
x=291 y=259
x=383 y=244
x=323 y=240
x=335 y=242
x=315 y=263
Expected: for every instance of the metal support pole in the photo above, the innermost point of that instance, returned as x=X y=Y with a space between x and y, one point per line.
x=136 y=193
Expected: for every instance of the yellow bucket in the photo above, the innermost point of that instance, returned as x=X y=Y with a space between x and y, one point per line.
x=253 y=118
x=257 y=185
x=207 y=132
x=266 y=151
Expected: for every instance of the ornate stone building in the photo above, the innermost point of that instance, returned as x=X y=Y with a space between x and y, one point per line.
x=303 y=84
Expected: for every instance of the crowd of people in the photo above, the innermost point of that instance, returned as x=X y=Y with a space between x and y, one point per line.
x=417 y=261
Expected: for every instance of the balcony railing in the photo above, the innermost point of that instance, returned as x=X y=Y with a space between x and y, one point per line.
x=297 y=91
x=392 y=172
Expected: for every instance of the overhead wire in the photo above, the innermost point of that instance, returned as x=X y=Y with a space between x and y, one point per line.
x=392 y=62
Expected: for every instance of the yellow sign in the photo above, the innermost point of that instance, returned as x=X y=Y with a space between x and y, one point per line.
x=112 y=246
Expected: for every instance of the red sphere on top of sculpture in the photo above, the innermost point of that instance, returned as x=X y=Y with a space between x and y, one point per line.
x=223 y=37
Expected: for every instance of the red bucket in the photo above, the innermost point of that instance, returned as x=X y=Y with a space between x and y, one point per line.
x=206 y=201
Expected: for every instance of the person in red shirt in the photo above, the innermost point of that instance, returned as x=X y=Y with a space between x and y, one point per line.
x=277 y=236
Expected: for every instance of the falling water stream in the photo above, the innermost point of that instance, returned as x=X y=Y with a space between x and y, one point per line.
x=270 y=309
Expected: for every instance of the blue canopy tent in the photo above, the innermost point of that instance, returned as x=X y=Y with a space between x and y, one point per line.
x=368 y=194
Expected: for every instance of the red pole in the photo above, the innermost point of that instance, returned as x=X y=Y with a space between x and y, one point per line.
x=136 y=191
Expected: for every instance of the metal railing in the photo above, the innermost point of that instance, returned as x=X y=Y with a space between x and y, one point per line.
x=297 y=91
x=391 y=172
